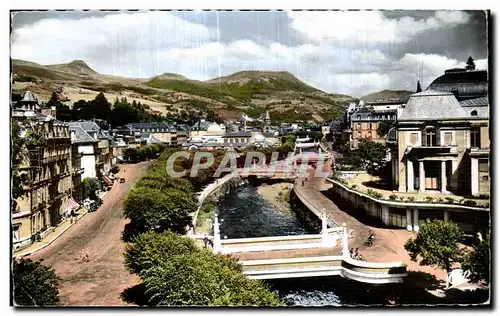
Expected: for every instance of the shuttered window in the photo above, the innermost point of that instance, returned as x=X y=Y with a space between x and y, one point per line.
x=413 y=139
x=448 y=138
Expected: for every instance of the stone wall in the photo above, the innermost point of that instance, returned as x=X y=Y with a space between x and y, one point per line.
x=407 y=215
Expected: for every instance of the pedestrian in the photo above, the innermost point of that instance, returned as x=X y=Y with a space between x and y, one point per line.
x=351 y=253
x=206 y=241
x=357 y=254
x=85 y=256
x=302 y=182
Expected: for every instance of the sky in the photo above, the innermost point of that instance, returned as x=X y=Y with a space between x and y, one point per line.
x=349 y=52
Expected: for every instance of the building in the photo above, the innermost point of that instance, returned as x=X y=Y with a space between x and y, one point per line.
x=237 y=139
x=103 y=157
x=204 y=127
x=86 y=147
x=441 y=140
x=47 y=199
x=365 y=122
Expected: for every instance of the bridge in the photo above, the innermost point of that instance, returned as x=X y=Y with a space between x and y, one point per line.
x=298 y=256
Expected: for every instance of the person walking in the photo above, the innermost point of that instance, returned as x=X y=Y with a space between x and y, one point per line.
x=206 y=241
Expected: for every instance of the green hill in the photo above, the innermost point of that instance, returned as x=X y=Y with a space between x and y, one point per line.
x=387 y=94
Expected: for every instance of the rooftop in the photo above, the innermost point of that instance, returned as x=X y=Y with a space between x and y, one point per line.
x=466 y=84
x=80 y=135
x=432 y=105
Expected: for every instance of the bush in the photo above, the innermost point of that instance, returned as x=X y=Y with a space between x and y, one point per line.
x=429 y=199
x=150 y=249
x=203 y=278
x=34 y=284
x=450 y=200
x=374 y=194
x=469 y=203
x=411 y=199
x=354 y=186
x=393 y=197
x=153 y=209
x=90 y=186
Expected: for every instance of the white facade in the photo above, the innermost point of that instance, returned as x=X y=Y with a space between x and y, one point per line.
x=88 y=161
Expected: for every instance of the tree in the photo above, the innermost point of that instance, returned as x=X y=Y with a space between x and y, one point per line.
x=153 y=209
x=470 y=65
x=34 y=284
x=90 y=186
x=203 y=278
x=436 y=245
x=63 y=112
x=150 y=249
x=478 y=261
x=384 y=127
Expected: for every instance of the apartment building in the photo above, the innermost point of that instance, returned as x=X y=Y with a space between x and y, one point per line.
x=47 y=200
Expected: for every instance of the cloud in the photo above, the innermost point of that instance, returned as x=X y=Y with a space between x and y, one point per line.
x=368 y=26
x=104 y=40
x=345 y=52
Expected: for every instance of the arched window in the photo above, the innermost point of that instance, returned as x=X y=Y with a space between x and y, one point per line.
x=473 y=113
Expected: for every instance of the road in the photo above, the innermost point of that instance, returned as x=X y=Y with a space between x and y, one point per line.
x=101 y=280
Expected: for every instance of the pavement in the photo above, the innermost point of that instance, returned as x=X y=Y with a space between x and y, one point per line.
x=101 y=280
x=52 y=236
x=389 y=243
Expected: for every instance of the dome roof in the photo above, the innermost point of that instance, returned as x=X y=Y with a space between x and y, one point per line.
x=28 y=97
x=464 y=84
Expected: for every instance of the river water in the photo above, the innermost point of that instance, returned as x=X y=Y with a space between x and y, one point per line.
x=244 y=213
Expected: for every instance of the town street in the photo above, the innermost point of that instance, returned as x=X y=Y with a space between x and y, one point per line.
x=101 y=280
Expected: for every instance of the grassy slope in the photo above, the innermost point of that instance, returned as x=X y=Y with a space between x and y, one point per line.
x=235 y=91
x=387 y=94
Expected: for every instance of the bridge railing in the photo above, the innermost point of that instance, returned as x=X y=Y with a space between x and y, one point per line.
x=329 y=240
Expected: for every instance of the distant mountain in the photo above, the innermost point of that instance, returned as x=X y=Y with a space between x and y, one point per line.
x=281 y=93
x=76 y=67
x=169 y=76
x=387 y=94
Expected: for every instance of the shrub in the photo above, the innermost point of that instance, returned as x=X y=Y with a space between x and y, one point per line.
x=150 y=249
x=429 y=199
x=374 y=194
x=354 y=186
x=450 y=200
x=469 y=203
x=34 y=284
x=393 y=197
x=153 y=209
x=440 y=200
x=411 y=199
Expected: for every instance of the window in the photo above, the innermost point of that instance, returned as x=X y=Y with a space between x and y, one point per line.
x=483 y=165
x=473 y=113
x=448 y=138
x=15 y=233
x=475 y=137
x=431 y=137
x=359 y=117
x=413 y=139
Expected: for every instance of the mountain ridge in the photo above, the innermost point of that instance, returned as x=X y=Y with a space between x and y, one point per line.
x=284 y=95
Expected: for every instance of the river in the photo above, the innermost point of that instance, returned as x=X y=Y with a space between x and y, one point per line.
x=244 y=213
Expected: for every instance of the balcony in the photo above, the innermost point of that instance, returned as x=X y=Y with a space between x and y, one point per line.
x=78 y=171
x=419 y=149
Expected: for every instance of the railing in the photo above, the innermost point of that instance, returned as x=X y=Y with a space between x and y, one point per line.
x=320 y=208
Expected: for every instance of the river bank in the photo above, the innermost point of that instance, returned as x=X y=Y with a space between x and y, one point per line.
x=277 y=194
